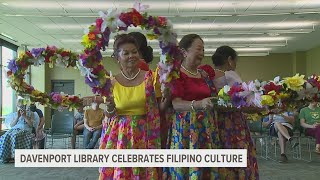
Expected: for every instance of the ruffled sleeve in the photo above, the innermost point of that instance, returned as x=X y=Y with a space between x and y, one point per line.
x=232 y=77
x=156 y=83
x=178 y=88
x=209 y=70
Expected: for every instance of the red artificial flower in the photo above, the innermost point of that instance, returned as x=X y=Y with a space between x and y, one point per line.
x=124 y=17
x=162 y=21
x=234 y=89
x=272 y=87
x=28 y=53
x=314 y=81
x=136 y=18
x=23 y=64
x=49 y=53
x=65 y=53
x=135 y=21
x=97 y=69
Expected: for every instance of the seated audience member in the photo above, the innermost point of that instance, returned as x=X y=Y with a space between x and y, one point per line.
x=78 y=125
x=93 y=125
x=20 y=135
x=310 y=120
x=281 y=126
x=40 y=136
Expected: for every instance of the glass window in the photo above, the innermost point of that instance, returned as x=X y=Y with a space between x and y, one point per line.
x=7 y=92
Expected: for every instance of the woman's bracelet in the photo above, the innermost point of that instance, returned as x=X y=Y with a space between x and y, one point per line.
x=192 y=107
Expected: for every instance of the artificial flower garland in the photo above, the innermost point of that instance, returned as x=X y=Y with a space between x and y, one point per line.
x=90 y=61
x=97 y=38
x=38 y=56
x=284 y=95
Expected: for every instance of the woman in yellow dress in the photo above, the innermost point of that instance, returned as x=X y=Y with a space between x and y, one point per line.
x=132 y=114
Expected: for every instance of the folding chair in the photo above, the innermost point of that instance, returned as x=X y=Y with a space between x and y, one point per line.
x=61 y=127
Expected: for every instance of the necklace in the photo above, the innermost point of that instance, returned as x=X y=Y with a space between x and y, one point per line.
x=128 y=78
x=194 y=74
x=220 y=70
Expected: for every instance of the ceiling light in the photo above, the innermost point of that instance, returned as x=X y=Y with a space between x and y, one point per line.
x=5 y=4
x=263 y=14
x=246 y=39
x=64 y=26
x=244 y=25
x=32 y=15
x=244 y=49
x=7 y=36
x=254 y=54
x=273 y=34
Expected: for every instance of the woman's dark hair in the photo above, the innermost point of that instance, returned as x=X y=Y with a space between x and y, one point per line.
x=123 y=39
x=220 y=57
x=187 y=40
x=145 y=50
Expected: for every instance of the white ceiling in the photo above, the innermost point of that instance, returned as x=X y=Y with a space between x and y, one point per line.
x=253 y=27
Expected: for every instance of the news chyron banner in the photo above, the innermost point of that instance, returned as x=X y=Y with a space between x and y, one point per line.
x=130 y=158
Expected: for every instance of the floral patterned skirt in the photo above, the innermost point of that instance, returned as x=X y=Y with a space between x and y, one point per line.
x=192 y=130
x=235 y=134
x=128 y=132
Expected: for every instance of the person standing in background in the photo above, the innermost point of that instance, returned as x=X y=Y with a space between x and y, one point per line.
x=145 y=51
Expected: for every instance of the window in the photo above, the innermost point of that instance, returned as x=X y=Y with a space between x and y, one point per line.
x=7 y=94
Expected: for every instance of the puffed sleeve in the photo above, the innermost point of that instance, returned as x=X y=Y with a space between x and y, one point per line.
x=209 y=70
x=177 y=90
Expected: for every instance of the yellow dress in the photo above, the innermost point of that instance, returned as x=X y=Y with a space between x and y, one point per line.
x=135 y=126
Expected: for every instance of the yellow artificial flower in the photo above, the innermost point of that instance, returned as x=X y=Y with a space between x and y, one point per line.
x=283 y=96
x=87 y=42
x=21 y=54
x=267 y=100
x=35 y=93
x=221 y=93
x=294 y=83
x=151 y=36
